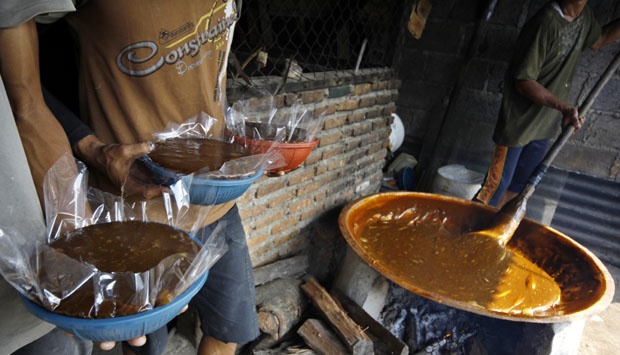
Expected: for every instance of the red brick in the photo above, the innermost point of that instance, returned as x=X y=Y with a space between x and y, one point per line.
x=300 y=204
x=354 y=143
x=332 y=151
x=267 y=219
x=313 y=158
x=290 y=98
x=251 y=210
x=367 y=101
x=362 y=128
x=279 y=199
x=307 y=188
x=362 y=89
x=326 y=109
x=348 y=105
x=299 y=176
x=383 y=98
x=357 y=116
x=308 y=97
x=335 y=121
x=320 y=169
x=326 y=179
x=284 y=223
x=257 y=238
x=373 y=148
x=268 y=186
x=374 y=112
x=329 y=138
x=336 y=163
x=388 y=110
x=314 y=212
x=380 y=85
x=381 y=122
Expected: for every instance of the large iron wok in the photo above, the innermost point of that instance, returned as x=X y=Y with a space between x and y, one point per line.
x=586 y=285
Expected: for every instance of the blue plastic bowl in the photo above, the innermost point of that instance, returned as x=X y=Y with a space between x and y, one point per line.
x=118 y=328
x=203 y=191
x=213 y=192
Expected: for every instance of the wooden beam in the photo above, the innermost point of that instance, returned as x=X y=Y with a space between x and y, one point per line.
x=354 y=338
x=291 y=267
x=320 y=338
x=382 y=337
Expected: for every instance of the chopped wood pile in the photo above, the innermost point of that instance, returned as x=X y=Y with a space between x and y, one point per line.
x=297 y=315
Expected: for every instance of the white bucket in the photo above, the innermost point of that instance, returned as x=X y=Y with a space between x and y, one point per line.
x=457 y=181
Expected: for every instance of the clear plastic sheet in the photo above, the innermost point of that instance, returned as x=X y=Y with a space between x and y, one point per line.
x=52 y=279
x=260 y=120
x=205 y=126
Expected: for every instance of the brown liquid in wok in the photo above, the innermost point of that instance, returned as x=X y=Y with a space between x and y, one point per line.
x=420 y=250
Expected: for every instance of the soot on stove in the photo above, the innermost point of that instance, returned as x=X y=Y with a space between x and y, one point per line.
x=431 y=328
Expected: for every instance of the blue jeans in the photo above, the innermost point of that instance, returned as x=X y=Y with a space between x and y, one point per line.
x=510 y=170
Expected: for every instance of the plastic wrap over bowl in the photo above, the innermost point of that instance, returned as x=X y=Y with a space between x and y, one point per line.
x=293 y=153
x=118 y=328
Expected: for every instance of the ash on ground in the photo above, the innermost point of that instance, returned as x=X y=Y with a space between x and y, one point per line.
x=431 y=328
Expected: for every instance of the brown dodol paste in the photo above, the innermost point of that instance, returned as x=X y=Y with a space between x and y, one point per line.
x=122 y=247
x=188 y=155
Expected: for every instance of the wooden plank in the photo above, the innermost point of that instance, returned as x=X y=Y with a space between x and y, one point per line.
x=291 y=267
x=384 y=339
x=350 y=333
x=320 y=338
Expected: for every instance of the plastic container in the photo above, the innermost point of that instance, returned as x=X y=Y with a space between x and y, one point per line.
x=204 y=191
x=397 y=134
x=118 y=328
x=457 y=181
x=213 y=191
x=294 y=153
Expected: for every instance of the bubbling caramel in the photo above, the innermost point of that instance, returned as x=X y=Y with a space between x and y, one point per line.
x=421 y=251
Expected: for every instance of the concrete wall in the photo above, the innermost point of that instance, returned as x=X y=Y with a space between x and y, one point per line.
x=278 y=211
x=452 y=80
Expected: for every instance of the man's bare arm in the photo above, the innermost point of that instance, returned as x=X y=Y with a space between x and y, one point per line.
x=610 y=33
x=538 y=94
x=43 y=138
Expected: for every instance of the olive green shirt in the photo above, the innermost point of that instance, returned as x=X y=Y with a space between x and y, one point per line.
x=547 y=51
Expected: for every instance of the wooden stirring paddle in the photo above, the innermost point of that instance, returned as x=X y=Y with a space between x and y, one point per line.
x=507 y=219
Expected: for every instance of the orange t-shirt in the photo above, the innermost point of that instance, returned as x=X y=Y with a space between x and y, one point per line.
x=145 y=63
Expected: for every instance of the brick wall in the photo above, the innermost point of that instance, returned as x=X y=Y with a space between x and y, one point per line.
x=278 y=211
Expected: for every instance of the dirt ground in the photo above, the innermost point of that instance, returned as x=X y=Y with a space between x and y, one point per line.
x=601 y=333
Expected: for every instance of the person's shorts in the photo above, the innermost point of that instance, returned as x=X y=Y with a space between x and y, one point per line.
x=226 y=304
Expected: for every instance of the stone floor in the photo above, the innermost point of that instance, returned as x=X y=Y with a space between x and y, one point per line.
x=600 y=335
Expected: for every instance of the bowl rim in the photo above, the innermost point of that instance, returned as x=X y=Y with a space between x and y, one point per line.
x=67 y=323
x=240 y=182
x=172 y=177
x=346 y=226
x=291 y=145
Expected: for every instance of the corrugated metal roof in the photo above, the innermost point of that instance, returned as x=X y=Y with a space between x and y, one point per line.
x=588 y=210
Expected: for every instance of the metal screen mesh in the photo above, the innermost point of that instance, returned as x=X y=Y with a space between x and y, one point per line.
x=278 y=37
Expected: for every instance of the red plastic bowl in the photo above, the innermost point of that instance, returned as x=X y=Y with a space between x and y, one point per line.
x=293 y=153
